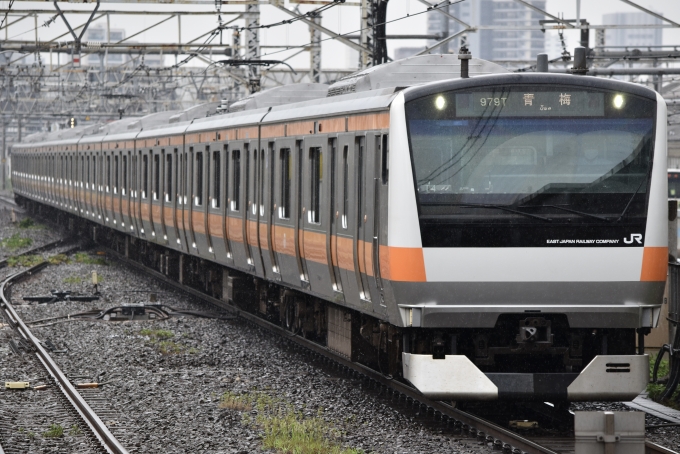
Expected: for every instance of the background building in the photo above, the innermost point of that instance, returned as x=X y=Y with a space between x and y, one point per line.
x=499 y=45
x=632 y=37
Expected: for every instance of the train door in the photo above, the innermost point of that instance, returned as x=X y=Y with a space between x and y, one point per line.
x=363 y=172
x=315 y=225
x=182 y=199
x=236 y=219
x=201 y=202
x=285 y=212
x=169 y=197
x=137 y=196
x=346 y=225
x=334 y=206
x=189 y=200
x=117 y=190
x=98 y=201
x=268 y=213
x=156 y=198
x=216 y=201
x=225 y=159
x=370 y=226
x=252 y=218
x=126 y=190
x=109 y=195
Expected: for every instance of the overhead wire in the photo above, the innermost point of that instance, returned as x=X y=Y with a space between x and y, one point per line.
x=217 y=31
x=11 y=2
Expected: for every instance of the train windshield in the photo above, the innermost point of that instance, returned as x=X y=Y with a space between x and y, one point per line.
x=533 y=153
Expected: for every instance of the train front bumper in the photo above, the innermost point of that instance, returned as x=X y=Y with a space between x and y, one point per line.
x=606 y=377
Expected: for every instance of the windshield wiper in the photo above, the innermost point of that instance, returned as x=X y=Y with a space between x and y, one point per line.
x=569 y=210
x=499 y=207
x=634 y=194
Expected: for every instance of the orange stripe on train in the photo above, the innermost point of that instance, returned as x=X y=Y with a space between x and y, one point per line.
x=402 y=264
x=654 y=264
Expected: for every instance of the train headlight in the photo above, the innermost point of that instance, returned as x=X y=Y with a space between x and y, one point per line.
x=618 y=101
x=440 y=102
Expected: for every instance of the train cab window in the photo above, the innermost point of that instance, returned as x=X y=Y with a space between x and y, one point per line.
x=345 y=186
x=286 y=178
x=116 y=172
x=236 y=181
x=125 y=174
x=316 y=180
x=145 y=176
x=198 y=199
x=108 y=173
x=168 y=176
x=156 y=176
x=217 y=169
x=385 y=156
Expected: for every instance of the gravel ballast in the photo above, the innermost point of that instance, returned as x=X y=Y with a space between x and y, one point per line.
x=167 y=379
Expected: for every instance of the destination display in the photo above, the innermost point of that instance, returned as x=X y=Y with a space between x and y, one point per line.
x=527 y=102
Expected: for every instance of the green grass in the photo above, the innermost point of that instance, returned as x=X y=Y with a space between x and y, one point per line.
x=58 y=259
x=294 y=434
x=73 y=280
x=55 y=431
x=85 y=258
x=286 y=431
x=654 y=390
x=24 y=260
x=157 y=334
x=15 y=242
x=75 y=430
x=26 y=223
x=160 y=338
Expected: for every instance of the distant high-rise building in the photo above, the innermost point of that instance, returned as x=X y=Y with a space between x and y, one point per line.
x=97 y=34
x=404 y=52
x=633 y=37
x=492 y=44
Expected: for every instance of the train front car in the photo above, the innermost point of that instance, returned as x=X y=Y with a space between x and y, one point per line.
x=531 y=211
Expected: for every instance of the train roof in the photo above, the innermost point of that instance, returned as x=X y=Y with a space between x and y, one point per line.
x=416 y=70
x=368 y=90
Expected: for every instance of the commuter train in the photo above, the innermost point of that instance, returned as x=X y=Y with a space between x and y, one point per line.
x=498 y=236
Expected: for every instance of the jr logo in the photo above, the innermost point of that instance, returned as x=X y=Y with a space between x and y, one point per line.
x=634 y=237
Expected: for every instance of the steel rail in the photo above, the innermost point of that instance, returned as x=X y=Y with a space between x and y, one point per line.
x=653 y=448
x=474 y=422
x=96 y=426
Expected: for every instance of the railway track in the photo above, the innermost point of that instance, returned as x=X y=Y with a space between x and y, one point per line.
x=462 y=422
x=80 y=407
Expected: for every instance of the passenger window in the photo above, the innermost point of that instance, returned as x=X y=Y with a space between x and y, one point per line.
x=108 y=172
x=168 y=176
x=262 y=182
x=286 y=178
x=385 y=149
x=217 y=168
x=198 y=198
x=345 y=186
x=316 y=180
x=125 y=175
x=145 y=175
x=236 y=190
x=157 y=176
x=116 y=180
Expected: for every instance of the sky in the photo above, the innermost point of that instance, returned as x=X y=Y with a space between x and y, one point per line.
x=343 y=19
